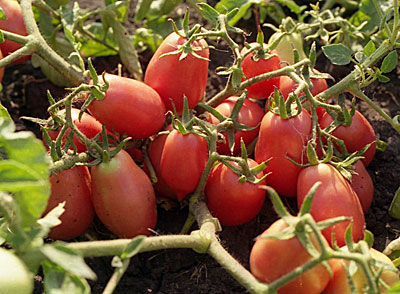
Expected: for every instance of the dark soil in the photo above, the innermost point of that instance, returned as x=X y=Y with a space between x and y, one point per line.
x=184 y=271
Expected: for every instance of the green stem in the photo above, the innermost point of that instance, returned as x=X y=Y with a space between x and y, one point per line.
x=116 y=277
x=68 y=162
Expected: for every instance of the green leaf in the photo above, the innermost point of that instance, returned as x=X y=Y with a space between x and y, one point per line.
x=369 y=238
x=2 y=14
x=381 y=145
x=68 y=260
x=382 y=78
x=360 y=57
x=51 y=219
x=91 y=48
x=394 y=209
x=209 y=13
x=389 y=62
x=4 y=112
x=133 y=247
x=337 y=53
x=142 y=8
x=24 y=171
x=369 y=48
x=57 y=281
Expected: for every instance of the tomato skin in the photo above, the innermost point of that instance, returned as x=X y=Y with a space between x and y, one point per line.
x=338 y=284
x=73 y=187
x=183 y=160
x=277 y=139
x=250 y=115
x=362 y=184
x=287 y=86
x=232 y=202
x=173 y=78
x=14 y=276
x=88 y=125
x=261 y=90
x=271 y=259
x=130 y=107
x=285 y=48
x=14 y=24
x=123 y=197
x=333 y=198
x=355 y=136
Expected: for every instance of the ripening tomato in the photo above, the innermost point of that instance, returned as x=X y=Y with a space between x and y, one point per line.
x=278 y=139
x=154 y=151
x=286 y=44
x=73 y=187
x=334 y=197
x=250 y=115
x=88 y=125
x=362 y=184
x=271 y=258
x=14 y=24
x=355 y=136
x=232 y=202
x=287 y=86
x=183 y=160
x=173 y=78
x=14 y=275
x=251 y=68
x=339 y=282
x=129 y=107
x=123 y=197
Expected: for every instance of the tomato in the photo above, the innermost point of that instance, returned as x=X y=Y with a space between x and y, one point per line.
x=14 y=24
x=123 y=197
x=155 y=150
x=129 y=107
x=286 y=44
x=280 y=138
x=362 y=184
x=88 y=125
x=136 y=154
x=333 y=198
x=232 y=202
x=287 y=85
x=250 y=115
x=183 y=160
x=14 y=276
x=355 y=136
x=173 y=78
x=73 y=187
x=251 y=68
x=271 y=258
x=339 y=282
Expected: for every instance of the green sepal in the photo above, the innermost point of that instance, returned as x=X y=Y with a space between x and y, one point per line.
x=322 y=225
x=307 y=202
x=133 y=247
x=349 y=236
x=277 y=203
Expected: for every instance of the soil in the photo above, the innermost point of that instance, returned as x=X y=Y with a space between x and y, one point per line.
x=182 y=270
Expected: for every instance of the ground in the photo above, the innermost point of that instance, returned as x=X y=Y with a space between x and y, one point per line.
x=184 y=271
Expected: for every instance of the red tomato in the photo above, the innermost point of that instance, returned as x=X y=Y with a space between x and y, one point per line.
x=333 y=198
x=88 y=125
x=73 y=187
x=155 y=150
x=287 y=85
x=250 y=115
x=123 y=197
x=14 y=24
x=136 y=154
x=261 y=90
x=129 y=107
x=183 y=160
x=280 y=138
x=270 y=259
x=232 y=202
x=339 y=282
x=173 y=78
x=362 y=184
x=355 y=136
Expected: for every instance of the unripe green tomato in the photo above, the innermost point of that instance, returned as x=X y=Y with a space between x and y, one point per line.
x=285 y=49
x=15 y=278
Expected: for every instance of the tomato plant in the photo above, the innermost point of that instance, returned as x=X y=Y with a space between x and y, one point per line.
x=272 y=258
x=71 y=186
x=123 y=197
x=181 y=74
x=232 y=202
x=287 y=86
x=280 y=139
x=254 y=65
x=14 y=276
x=14 y=24
x=129 y=107
x=286 y=44
x=334 y=198
x=182 y=162
x=250 y=115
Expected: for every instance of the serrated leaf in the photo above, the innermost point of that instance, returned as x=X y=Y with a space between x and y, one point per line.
x=209 y=13
x=389 y=63
x=133 y=247
x=338 y=54
x=58 y=281
x=369 y=48
x=68 y=260
x=51 y=219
